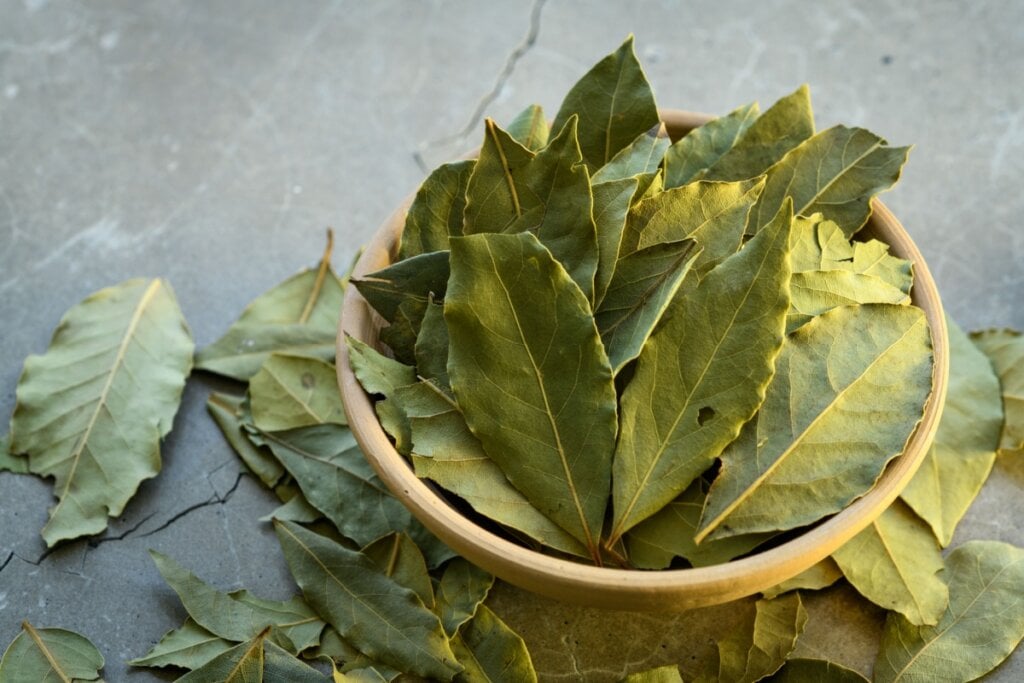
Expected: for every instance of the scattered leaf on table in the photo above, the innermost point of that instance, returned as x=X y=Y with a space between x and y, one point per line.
x=818 y=576
x=817 y=291
x=836 y=172
x=819 y=244
x=519 y=326
x=49 y=655
x=662 y=674
x=530 y=129
x=981 y=627
x=491 y=651
x=336 y=479
x=398 y=557
x=815 y=671
x=432 y=347
x=1005 y=348
x=188 y=647
x=231 y=414
x=895 y=563
x=416 y=279
x=291 y=391
x=548 y=195
x=701 y=376
x=349 y=660
x=460 y=593
x=436 y=211
x=9 y=462
x=298 y=316
x=699 y=149
x=239 y=616
x=641 y=288
x=643 y=155
x=614 y=103
x=964 y=449
x=91 y=411
x=759 y=648
x=611 y=204
x=850 y=386
x=254 y=661
x=383 y=619
x=784 y=126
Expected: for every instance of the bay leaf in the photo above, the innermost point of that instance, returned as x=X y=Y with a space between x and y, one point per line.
x=417 y=278
x=373 y=612
x=336 y=479
x=640 y=290
x=431 y=349
x=295 y=509
x=648 y=185
x=530 y=129
x=399 y=558
x=713 y=214
x=819 y=244
x=9 y=462
x=460 y=593
x=517 y=323
x=231 y=413
x=964 y=450
x=401 y=334
x=491 y=651
x=667 y=534
x=239 y=616
x=298 y=316
x=548 y=195
x=782 y=127
x=643 y=155
x=49 y=655
x=701 y=376
x=1005 y=349
x=445 y=451
x=894 y=563
x=614 y=103
x=661 y=674
x=815 y=671
x=836 y=172
x=699 y=149
x=188 y=647
x=349 y=661
x=817 y=291
x=850 y=387
x=611 y=204
x=91 y=411
x=820 y=575
x=254 y=661
x=436 y=210
x=377 y=373
x=759 y=648
x=981 y=627
x=291 y=391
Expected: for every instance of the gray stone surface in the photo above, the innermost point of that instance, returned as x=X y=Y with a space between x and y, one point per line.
x=211 y=143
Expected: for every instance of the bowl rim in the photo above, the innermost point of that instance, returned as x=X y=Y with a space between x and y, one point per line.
x=634 y=589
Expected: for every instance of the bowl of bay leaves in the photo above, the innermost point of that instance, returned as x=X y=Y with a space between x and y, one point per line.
x=646 y=359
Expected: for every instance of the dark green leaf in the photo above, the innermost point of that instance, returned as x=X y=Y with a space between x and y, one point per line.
x=398 y=557
x=432 y=347
x=492 y=652
x=460 y=593
x=255 y=661
x=231 y=413
x=611 y=204
x=436 y=212
x=529 y=129
x=815 y=671
x=643 y=155
x=401 y=334
x=418 y=278
x=699 y=149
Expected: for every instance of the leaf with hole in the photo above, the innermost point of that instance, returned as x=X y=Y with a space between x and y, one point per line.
x=291 y=391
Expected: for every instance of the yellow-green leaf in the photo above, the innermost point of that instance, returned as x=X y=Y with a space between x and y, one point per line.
x=1005 y=349
x=92 y=410
x=662 y=674
x=49 y=655
x=188 y=647
x=491 y=651
x=819 y=244
x=461 y=592
x=611 y=204
x=817 y=291
x=643 y=155
x=529 y=129
x=820 y=575
x=436 y=211
x=292 y=391
x=254 y=661
x=699 y=149
x=398 y=556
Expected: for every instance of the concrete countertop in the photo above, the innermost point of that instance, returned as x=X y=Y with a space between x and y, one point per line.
x=212 y=143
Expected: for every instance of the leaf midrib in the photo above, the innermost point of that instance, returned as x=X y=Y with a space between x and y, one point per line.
x=46 y=651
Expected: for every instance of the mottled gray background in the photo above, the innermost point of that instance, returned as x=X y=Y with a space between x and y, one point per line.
x=212 y=142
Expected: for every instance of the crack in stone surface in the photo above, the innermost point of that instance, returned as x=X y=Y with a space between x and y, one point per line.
x=215 y=499
x=7 y=561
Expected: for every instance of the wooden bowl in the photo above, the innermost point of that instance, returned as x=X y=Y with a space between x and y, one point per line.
x=635 y=590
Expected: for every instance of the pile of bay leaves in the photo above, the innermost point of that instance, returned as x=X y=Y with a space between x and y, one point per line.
x=721 y=312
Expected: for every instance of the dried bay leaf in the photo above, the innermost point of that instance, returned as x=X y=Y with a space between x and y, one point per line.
x=529 y=129
x=254 y=661
x=517 y=323
x=10 y=462
x=817 y=291
x=295 y=509
x=188 y=647
x=460 y=593
x=239 y=616
x=91 y=411
x=700 y=148
x=643 y=155
x=373 y=612
x=436 y=210
x=894 y=563
x=820 y=575
x=614 y=103
x=662 y=674
x=761 y=647
x=291 y=391
x=784 y=126
x=232 y=414
x=377 y=373
x=815 y=671
x=431 y=349
x=981 y=627
x=640 y=290
x=1005 y=349
x=849 y=388
x=49 y=655
x=398 y=556
x=964 y=449
x=346 y=659
x=298 y=316
x=701 y=376
x=491 y=651
x=836 y=172
x=401 y=334
x=417 y=279
x=612 y=201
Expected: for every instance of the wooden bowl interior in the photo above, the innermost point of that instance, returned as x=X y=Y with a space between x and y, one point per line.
x=633 y=590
